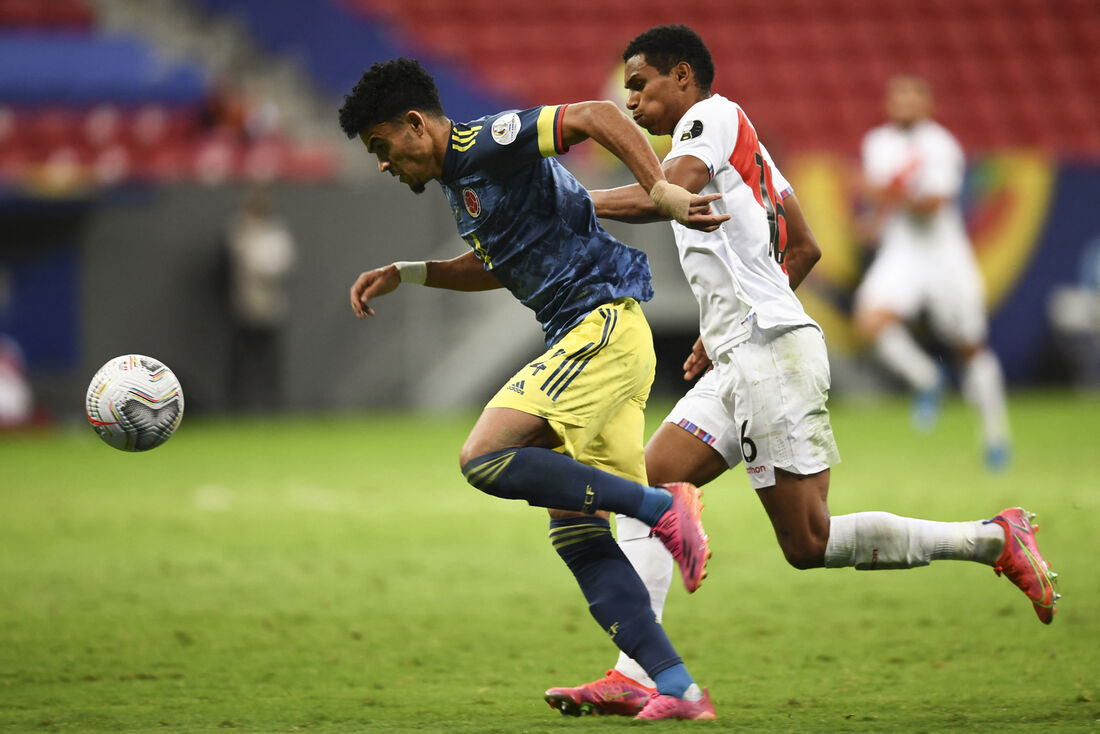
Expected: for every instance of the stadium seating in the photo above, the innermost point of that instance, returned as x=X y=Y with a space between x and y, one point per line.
x=45 y=14
x=1006 y=72
x=334 y=46
x=81 y=109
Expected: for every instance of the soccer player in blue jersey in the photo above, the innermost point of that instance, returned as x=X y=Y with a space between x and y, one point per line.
x=571 y=439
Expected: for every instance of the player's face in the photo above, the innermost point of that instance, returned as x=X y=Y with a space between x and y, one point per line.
x=651 y=96
x=401 y=152
x=907 y=100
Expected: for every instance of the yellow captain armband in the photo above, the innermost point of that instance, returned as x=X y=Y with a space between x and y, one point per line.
x=550 y=132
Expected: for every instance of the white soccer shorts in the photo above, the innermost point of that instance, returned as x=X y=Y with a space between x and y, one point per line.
x=702 y=413
x=906 y=277
x=775 y=386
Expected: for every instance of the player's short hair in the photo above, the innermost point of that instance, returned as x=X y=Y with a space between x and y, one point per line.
x=385 y=92
x=664 y=46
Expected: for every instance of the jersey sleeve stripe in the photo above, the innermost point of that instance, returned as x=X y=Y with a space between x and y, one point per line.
x=550 y=132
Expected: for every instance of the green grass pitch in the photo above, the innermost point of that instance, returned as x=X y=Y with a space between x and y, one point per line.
x=337 y=575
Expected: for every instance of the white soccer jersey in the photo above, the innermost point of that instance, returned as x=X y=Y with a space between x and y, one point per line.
x=923 y=261
x=736 y=271
x=923 y=160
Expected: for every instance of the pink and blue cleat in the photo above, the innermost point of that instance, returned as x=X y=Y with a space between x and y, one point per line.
x=1022 y=563
x=680 y=529
x=613 y=694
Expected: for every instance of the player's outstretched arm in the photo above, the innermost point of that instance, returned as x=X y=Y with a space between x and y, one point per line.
x=802 y=251
x=632 y=204
x=605 y=123
x=462 y=273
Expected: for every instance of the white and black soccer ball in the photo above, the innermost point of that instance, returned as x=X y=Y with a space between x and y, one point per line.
x=134 y=403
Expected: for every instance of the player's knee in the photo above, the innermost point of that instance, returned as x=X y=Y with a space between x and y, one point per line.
x=466 y=455
x=484 y=470
x=805 y=553
x=869 y=322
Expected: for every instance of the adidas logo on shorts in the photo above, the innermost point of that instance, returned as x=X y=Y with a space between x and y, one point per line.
x=517 y=386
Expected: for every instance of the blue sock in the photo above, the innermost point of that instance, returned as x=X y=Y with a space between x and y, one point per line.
x=546 y=478
x=673 y=681
x=616 y=596
x=654 y=504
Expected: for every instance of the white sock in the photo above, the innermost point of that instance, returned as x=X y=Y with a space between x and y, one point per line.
x=899 y=352
x=879 y=540
x=654 y=564
x=983 y=384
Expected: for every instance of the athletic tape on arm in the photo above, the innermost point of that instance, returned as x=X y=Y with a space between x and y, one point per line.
x=412 y=272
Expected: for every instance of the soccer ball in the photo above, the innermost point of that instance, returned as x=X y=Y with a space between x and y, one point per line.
x=134 y=403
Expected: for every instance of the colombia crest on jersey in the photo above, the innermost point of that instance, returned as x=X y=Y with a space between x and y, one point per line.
x=532 y=224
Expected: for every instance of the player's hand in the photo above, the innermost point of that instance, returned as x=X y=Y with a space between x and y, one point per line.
x=697 y=362
x=371 y=284
x=700 y=216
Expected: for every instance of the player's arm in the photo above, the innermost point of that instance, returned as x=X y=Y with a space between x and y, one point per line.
x=605 y=123
x=462 y=273
x=802 y=251
x=894 y=195
x=924 y=206
x=632 y=204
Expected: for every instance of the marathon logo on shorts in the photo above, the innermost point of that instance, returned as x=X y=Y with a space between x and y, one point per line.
x=755 y=469
x=472 y=202
x=694 y=131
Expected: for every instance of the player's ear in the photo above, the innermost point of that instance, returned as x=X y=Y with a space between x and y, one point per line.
x=683 y=74
x=416 y=121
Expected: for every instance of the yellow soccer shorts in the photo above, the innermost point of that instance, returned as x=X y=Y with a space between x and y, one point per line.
x=592 y=387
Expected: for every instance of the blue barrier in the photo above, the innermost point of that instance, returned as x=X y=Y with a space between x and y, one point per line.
x=75 y=69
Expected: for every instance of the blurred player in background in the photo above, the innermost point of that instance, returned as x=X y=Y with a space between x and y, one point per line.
x=914 y=169
x=566 y=431
x=765 y=397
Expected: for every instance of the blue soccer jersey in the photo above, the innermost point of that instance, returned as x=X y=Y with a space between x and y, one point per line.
x=532 y=224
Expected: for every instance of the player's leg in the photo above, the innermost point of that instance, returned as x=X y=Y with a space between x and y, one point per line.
x=958 y=314
x=880 y=540
x=617 y=449
x=890 y=294
x=983 y=385
x=497 y=461
x=600 y=365
x=696 y=443
x=809 y=537
x=599 y=376
x=788 y=448
x=685 y=447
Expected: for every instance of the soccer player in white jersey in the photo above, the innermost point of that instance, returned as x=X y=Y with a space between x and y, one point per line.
x=913 y=168
x=765 y=396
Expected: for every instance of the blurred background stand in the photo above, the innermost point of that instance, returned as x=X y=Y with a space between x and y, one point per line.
x=1075 y=316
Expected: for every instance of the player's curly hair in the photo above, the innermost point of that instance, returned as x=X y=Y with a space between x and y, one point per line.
x=385 y=92
x=664 y=46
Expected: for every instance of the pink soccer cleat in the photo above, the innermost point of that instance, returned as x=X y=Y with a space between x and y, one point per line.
x=613 y=694
x=681 y=531
x=669 y=707
x=1022 y=563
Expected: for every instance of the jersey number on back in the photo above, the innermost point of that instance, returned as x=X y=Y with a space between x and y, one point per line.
x=776 y=214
